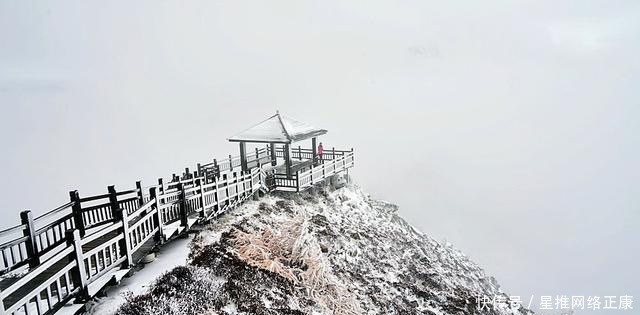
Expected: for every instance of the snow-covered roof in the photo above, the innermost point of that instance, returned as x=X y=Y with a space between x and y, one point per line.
x=278 y=128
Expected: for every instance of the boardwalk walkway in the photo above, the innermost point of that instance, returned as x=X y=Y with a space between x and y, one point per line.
x=73 y=251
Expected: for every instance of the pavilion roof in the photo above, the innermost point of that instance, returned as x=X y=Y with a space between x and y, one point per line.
x=279 y=129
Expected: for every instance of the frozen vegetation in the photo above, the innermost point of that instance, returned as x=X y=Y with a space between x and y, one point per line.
x=319 y=252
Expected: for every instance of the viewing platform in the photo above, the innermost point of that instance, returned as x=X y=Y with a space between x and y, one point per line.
x=286 y=167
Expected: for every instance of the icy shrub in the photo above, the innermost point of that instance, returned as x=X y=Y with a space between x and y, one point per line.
x=294 y=254
x=248 y=286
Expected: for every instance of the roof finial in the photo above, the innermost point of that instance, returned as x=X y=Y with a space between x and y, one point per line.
x=277 y=112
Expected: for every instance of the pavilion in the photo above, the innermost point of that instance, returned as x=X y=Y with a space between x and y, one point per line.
x=278 y=130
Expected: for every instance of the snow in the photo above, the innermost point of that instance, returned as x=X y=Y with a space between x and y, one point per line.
x=278 y=128
x=267 y=130
x=231 y=308
x=171 y=255
x=298 y=130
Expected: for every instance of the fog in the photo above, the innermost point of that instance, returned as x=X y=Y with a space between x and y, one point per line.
x=510 y=129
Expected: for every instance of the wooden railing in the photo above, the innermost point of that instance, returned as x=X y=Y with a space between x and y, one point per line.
x=300 y=153
x=60 y=255
x=217 y=167
x=314 y=174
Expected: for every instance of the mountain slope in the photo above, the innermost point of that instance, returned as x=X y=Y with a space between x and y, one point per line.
x=319 y=252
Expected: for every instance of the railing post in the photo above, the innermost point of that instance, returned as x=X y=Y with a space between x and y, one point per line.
x=199 y=169
x=161 y=185
x=299 y=153
x=26 y=219
x=80 y=277
x=113 y=197
x=78 y=221
x=298 y=181
x=216 y=198
x=230 y=163
x=352 y=160
x=183 y=206
x=216 y=168
x=140 y=193
x=158 y=218
x=239 y=180
x=259 y=176
x=226 y=188
x=247 y=180
x=120 y=214
x=205 y=175
x=202 y=205
x=333 y=153
x=235 y=185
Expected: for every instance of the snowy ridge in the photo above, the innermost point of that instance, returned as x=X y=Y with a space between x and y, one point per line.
x=319 y=252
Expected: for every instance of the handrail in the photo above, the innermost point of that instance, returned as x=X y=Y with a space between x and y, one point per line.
x=142 y=208
x=53 y=223
x=93 y=198
x=120 y=193
x=54 y=211
x=12 y=229
x=13 y=242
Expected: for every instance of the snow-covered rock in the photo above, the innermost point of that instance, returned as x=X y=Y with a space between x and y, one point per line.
x=319 y=252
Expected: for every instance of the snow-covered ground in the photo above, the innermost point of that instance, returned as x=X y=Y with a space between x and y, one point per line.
x=323 y=251
x=171 y=255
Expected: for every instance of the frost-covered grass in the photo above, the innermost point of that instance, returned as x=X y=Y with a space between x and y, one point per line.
x=292 y=251
x=185 y=289
x=318 y=252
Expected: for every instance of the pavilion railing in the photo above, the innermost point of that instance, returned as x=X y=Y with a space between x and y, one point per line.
x=299 y=153
x=315 y=173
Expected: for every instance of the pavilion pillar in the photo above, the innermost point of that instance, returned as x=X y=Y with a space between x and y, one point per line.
x=313 y=149
x=243 y=156
x=272 y=148
x=287 y=159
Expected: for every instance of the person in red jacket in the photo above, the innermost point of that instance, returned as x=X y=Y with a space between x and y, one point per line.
x=320 y=149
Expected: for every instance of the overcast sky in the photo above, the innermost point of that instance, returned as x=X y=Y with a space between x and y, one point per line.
x=509 y=128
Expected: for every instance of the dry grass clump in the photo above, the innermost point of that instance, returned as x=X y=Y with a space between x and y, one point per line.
x=293 y=253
